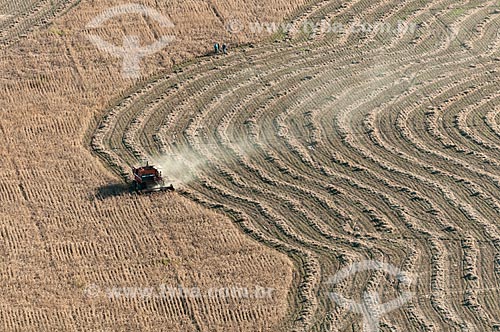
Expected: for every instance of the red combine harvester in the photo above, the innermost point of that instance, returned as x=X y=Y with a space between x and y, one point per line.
x=148 y=179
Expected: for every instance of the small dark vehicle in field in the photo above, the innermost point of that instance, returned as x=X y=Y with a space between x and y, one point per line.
x=148 y=179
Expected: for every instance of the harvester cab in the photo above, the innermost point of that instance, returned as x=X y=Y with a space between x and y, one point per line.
x=147 y=179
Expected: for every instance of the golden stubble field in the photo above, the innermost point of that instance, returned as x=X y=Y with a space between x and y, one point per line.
x=63 y=245
x=332 y=147
x=338 y=147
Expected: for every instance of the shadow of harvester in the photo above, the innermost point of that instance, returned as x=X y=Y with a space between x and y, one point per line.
x=112 y=190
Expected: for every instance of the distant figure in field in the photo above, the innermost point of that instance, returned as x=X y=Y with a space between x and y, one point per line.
x=224 y=48
x=216 y=48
